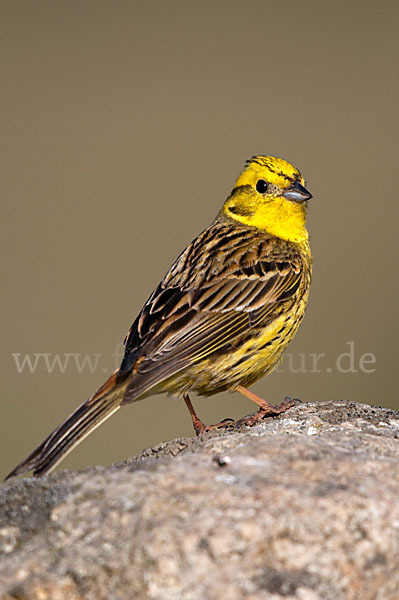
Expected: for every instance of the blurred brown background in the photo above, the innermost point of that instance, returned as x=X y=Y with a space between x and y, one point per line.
x=123 y=127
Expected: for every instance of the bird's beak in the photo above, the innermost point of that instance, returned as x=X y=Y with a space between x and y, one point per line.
x=297 y=193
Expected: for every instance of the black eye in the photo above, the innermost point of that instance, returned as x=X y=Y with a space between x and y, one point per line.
x=261 y=186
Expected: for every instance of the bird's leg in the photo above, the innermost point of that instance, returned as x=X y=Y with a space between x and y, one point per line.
x=265 y=409
x=199 y=426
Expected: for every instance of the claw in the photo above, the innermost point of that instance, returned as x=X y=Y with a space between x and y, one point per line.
x=224 y=424
x=268 y=411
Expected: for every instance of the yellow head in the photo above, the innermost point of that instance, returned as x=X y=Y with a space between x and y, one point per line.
x=270 y=194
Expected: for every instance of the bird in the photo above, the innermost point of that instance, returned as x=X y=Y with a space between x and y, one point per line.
x=220 y=318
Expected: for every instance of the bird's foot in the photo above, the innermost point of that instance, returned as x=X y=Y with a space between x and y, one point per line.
x=200 y=427
x=268 y=410
x=224 y=424
x=265 y=410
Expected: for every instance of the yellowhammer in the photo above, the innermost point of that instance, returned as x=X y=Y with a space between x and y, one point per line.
x=221 y=317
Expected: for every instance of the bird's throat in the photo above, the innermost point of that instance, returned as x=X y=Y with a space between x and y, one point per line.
x=282 y=218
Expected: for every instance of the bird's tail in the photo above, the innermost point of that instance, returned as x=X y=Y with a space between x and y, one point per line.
x=83 y=421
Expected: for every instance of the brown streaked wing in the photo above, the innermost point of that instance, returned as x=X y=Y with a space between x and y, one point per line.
x=182 y=322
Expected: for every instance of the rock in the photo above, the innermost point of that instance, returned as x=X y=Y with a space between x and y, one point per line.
x=304 y=506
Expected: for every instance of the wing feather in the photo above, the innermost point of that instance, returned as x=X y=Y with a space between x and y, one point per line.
x=244 y=277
